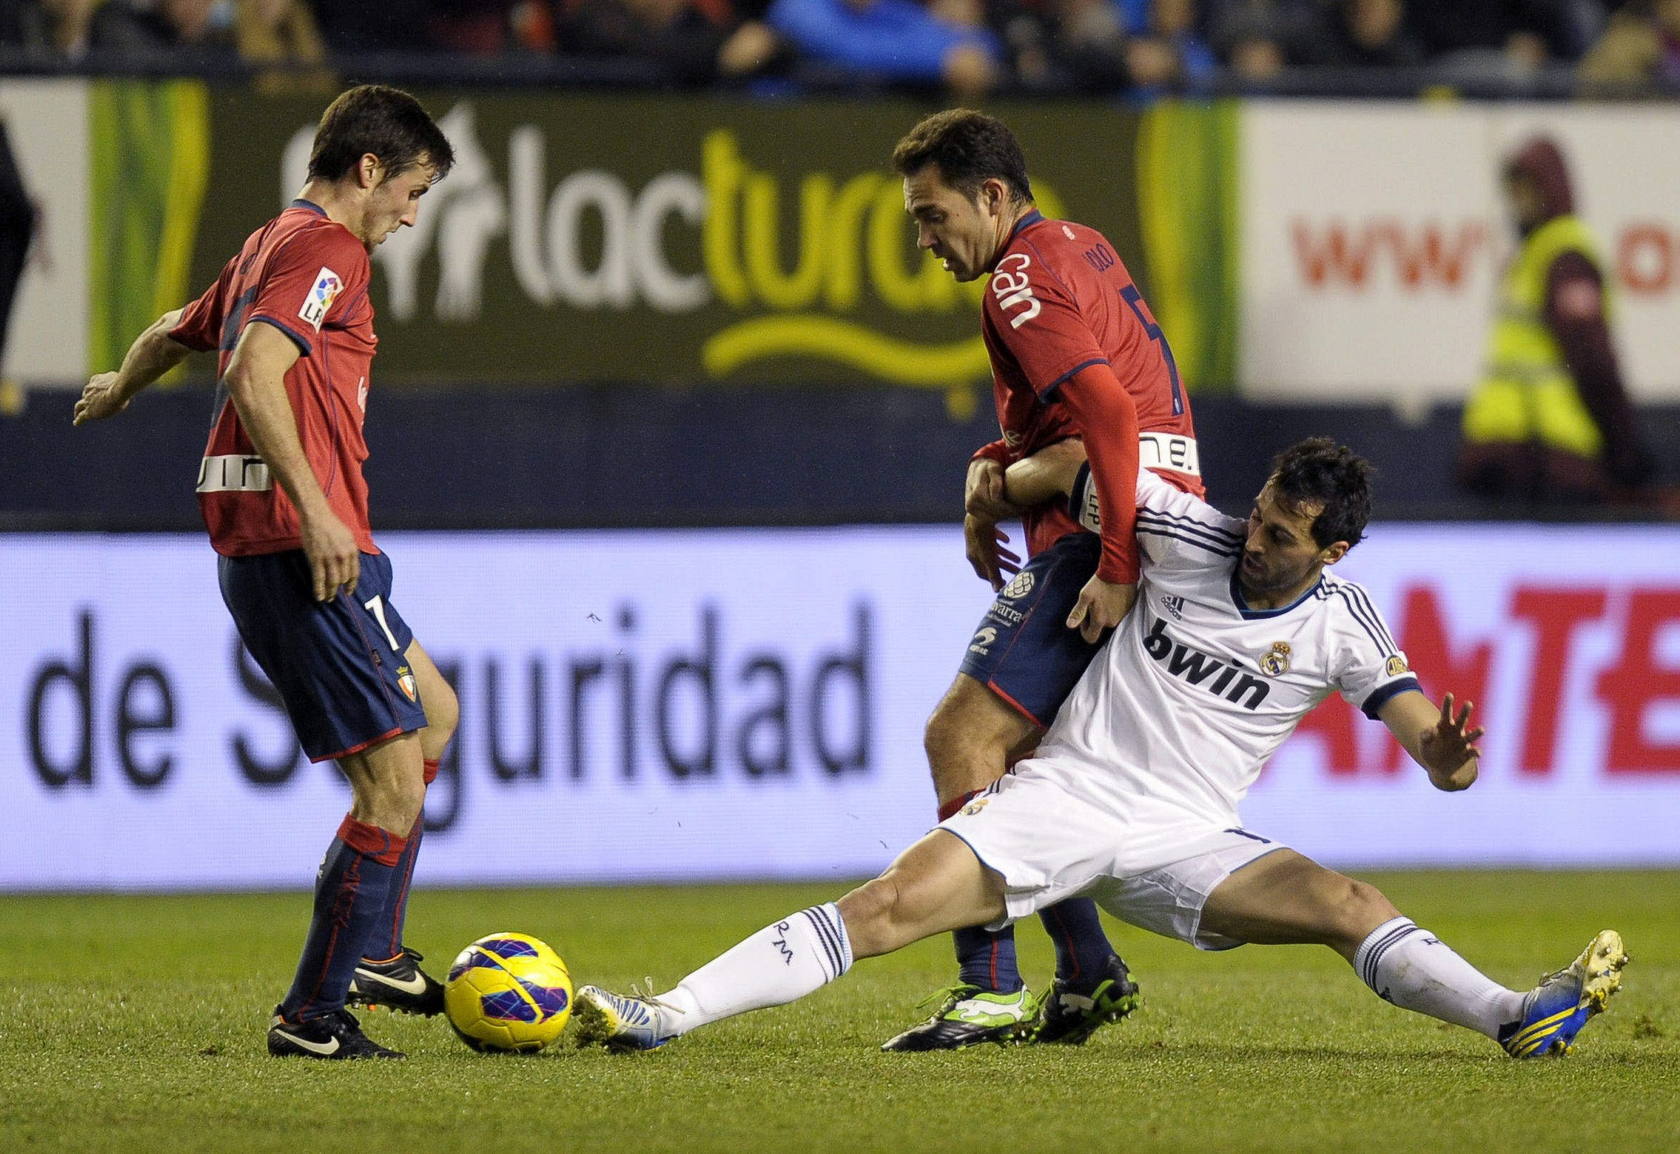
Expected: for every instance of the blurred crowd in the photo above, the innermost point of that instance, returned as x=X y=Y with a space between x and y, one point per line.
x=968 y=46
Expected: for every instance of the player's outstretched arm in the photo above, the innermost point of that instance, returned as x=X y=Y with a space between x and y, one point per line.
x=152 y=354
x=1439 y=740
x=1047 y=475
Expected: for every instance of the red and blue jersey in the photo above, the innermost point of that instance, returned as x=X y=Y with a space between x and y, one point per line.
x=1060 y=301
x=306 y=275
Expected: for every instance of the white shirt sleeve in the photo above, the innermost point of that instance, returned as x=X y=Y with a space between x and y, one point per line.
x=1178 y=530
x=1370 y=668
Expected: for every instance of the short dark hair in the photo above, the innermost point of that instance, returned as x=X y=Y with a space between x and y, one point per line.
x=969 y=147
x=1317 y=471
x=385 y=121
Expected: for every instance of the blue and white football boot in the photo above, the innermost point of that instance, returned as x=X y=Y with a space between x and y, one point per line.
x=620 y=1022
x=1556 y=1010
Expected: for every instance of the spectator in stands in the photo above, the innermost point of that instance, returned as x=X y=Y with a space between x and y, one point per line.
x=1638 y=53
x=945 y=43
x=193 y=33
x=1551 y=420
x=690 y=41
x=1103 y=45
x=1258 y=39
x=381 y=26
x=1173 y=25
x=1513 y=37
x=493 y=27
x=282 y=32
x=1369 y=34
x=47 y=30
x=1057 y=45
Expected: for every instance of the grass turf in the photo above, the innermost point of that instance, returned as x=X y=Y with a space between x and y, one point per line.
x=136 y=1023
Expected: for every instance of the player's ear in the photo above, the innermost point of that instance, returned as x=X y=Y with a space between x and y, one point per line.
x=1334 y=552
x=369 y=170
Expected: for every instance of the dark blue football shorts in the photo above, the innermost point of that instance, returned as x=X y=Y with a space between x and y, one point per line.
x=338 y=665
x=1023 y=650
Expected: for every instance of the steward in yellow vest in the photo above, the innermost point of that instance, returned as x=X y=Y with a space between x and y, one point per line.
x=1550 y=420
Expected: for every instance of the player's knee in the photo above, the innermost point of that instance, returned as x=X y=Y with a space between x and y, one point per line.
x=869 y=913
x=443 y=714
x=1363 y=907
x=962 y=745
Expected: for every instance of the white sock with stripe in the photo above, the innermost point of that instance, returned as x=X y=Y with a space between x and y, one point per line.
x=780 y=963
x=1413 y=969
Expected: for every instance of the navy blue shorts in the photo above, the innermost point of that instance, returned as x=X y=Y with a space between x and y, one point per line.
x=1024 y=651
x=338 y=665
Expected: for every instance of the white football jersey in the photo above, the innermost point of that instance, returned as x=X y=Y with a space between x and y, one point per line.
x=1194 y=691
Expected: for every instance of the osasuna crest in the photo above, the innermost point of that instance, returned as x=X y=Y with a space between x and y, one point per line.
x=1397 y=665
x=1020 y=587
x=1276 y=663
x=406 y=682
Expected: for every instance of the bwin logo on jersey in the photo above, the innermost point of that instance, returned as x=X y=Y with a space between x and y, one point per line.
x=1223 y=679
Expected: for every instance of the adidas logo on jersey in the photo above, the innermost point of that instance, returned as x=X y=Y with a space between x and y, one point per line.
x=1221 y=677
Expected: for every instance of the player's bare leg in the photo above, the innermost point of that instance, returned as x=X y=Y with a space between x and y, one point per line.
x=935 y=885
x=971 y=740
x=389 y=974
x=1286 y=898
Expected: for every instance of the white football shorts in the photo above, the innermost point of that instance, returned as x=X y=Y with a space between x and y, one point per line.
x=1056 y=830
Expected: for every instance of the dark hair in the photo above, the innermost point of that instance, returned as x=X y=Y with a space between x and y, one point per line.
x=1317 y=471
x=969 y=147
x=385 y=121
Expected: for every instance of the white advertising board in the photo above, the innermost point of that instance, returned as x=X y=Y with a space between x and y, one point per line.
x=749 y=704
x=1374 y=237
x=47 y=124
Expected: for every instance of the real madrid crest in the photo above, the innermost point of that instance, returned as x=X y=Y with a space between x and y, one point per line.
x=1276 y=663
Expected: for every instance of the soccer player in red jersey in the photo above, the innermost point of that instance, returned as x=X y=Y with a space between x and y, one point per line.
x=282 y=494
x=1075 y=353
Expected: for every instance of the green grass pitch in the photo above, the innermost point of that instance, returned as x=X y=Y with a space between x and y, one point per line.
x=136 y=1024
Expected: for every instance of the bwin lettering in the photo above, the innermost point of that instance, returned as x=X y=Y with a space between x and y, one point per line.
x=781 y=944
x=1011 y=286
x=1196 y=667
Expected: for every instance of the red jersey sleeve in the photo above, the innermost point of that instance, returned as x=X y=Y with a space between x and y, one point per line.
x=309 y=282
x=200 y=326
x=1108 y=422
x=1035 y=318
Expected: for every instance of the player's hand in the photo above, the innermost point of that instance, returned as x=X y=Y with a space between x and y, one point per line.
x=100 y=399
x=983 y=494
x=1449 y=750
x=986 y=553
x=1101 y=606
x=334 y=561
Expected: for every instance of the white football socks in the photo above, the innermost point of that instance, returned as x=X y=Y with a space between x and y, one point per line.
x=780 y=963
x=1413 y=969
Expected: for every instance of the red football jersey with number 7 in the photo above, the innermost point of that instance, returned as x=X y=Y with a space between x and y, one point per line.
x=1060 y=300
x=307 y=276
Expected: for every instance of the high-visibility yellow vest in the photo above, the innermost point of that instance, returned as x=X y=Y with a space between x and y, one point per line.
x=1526 y=392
